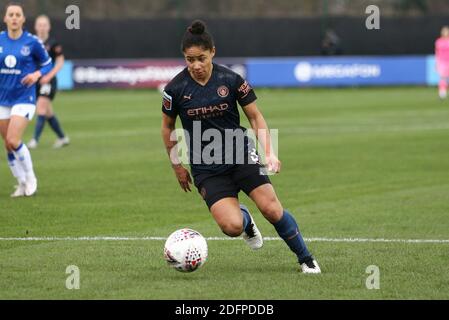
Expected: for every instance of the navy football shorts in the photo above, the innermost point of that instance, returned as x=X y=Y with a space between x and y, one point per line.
x=242 y=177
x=47 y=90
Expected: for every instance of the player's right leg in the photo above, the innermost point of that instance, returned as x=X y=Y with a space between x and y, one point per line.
x=221 y=196
x=41 y=111
x=442 y=88
x=228 y=216
x=251 y=233
x=21 y=115
x=443 y=71
x=16 y=169
x=234 y=220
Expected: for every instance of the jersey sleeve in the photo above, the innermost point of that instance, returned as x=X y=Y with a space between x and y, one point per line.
x=169 y=105
x=57 y=50
x=43 y=60
x=245 y=93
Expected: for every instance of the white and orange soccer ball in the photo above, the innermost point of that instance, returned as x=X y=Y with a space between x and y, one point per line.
x=185 y=250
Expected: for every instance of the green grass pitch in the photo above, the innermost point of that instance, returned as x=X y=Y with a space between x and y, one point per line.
x=360 y=163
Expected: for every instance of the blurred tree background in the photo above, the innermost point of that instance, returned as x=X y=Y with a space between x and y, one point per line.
x=112 y=28
x=128 y=9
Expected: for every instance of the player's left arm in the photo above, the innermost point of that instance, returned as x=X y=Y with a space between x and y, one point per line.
x=57 y=66
x=260 y=128
x=43 y=62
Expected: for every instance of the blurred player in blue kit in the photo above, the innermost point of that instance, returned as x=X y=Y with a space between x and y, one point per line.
x=23 y=61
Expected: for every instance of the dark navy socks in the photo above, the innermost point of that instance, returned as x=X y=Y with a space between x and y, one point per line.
x=288 y=230
x=40 y=123
x=54 y=124
x=246 y=216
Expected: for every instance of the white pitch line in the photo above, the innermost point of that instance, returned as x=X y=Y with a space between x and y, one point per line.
x=318 y=129
x=345 y=240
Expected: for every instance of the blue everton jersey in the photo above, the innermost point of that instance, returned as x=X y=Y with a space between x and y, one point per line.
x=18 y=58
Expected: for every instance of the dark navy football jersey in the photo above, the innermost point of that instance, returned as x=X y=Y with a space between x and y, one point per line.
x=210 y=116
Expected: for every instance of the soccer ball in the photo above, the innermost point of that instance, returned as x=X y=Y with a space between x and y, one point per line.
x=185 y=250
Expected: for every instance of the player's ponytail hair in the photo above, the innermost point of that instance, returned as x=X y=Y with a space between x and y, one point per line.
x=197 y=35
x=13 y=3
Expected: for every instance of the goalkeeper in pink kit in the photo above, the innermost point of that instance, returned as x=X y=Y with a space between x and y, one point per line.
x=442 y=60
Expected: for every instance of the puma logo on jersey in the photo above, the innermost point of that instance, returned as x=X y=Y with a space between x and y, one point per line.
x=189 y=97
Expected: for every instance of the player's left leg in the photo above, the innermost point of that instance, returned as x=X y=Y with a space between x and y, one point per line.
x=285 y=224
x=20 y=118
x=55 y=125
x=442 y=87
x=443 y=71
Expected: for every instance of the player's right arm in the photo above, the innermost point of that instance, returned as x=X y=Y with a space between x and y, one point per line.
x=43 y=62
x=170 y=142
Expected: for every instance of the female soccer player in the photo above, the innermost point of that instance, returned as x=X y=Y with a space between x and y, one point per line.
x=23 y=60
x=47 y=87
x=205 y=96
x=442 y=60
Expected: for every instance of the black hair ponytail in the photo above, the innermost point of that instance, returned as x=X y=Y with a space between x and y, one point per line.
x=197 y=35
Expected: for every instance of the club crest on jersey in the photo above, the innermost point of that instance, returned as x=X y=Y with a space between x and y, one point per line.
x=223 y=91
x=25 y=51
x=167 y=102
x=244 y=89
